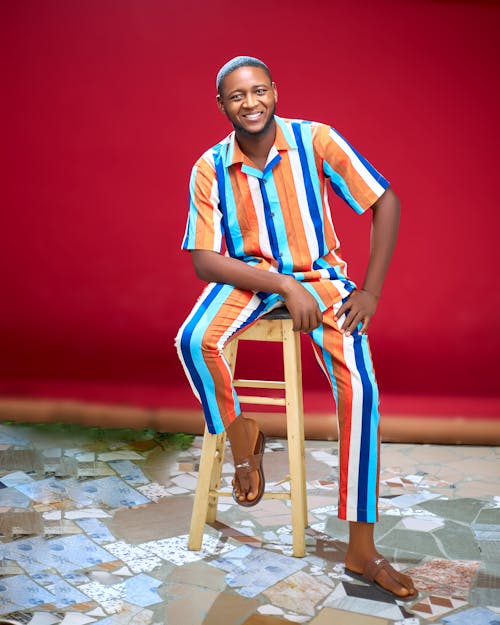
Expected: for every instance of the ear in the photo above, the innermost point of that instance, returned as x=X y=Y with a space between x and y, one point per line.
x=275 y=90
x=220 y=104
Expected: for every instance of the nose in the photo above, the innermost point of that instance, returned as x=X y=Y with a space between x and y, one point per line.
x=250 y=100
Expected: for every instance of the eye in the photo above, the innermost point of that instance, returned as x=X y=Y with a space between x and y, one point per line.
x=261 y=91
x=236 y=97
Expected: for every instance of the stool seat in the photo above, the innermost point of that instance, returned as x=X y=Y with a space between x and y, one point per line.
x=277 y=313
x=275 y=326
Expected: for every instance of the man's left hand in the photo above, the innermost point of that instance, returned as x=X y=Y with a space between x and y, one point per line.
x=359 y=308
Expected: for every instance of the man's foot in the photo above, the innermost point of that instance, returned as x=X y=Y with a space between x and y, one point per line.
x=247 y=445
x=378 y=571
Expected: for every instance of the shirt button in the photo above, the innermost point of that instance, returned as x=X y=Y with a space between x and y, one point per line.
x=272 y=214
x=280 y=254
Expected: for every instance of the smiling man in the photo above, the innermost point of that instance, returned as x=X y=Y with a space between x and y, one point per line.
x=262 y=194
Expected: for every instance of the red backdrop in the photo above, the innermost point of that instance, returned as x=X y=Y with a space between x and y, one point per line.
x=107 y=103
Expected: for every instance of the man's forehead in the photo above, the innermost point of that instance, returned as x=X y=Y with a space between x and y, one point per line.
x=246 y=76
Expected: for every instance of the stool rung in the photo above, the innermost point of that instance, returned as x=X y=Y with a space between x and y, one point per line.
x=257 y=399
x=260 y=383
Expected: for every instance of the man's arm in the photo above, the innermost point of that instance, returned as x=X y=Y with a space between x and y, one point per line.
x=362 y=303
x=214 y=267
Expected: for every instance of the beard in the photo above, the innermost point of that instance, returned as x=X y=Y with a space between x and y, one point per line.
x=244 y=131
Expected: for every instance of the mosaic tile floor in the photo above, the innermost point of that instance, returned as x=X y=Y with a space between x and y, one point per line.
x=94 y=531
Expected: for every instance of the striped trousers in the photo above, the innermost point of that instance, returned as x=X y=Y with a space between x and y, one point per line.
x=220 y=313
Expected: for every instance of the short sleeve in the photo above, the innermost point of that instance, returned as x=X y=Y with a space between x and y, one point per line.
x=204 y=222
x=352 y=177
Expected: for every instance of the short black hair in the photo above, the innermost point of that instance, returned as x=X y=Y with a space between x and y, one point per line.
x=236 y=63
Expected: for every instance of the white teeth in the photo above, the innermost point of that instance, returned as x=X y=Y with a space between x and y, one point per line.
x=253 y=116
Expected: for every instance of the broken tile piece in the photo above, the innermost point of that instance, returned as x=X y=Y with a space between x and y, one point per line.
x=129 y=472
x=175 y=549
x=433 y=574
x=19 y=591
x=434 y=606
x=473 y=616
x=329 y=616
x=299 y=592
x=126 y=454
x=250 y=571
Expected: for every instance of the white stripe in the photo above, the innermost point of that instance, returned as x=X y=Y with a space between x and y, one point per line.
x=298 y=178
x=239 y=321
x=177 y=341
x=264 y=242
x=375 y=186
x=329 y=214
x=356 y=427
x=234 y=327
x=208 y=157
x=214 y=199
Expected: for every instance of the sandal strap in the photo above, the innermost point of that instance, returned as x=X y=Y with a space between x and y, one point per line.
x=373 y=568
x=249 y=464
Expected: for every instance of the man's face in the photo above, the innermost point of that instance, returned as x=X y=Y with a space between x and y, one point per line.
x=248 y=98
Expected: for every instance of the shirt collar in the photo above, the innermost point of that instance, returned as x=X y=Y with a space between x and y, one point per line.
x=284 y=140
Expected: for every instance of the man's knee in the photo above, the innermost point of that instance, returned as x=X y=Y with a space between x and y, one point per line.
x=194 y=340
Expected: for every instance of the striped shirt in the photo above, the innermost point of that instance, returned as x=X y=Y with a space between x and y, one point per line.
x=279 y=219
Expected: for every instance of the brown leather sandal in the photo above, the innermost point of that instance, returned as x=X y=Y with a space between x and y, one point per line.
x=370 y=572
x=246 y=466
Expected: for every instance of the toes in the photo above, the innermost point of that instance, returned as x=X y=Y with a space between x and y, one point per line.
x=398 y=584
x=251 y=492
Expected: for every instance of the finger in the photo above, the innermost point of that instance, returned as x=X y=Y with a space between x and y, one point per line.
x=342 y=310
x=366 y=323
x=308 y=324
x=347 y=320
x=353 y=324
x=298 y=322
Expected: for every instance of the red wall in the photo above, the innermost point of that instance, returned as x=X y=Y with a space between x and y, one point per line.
x=107 y=103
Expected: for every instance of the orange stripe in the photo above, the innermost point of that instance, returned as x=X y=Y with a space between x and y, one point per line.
x=294 y=223
x=205 y=230
x=224 y=318
x=245 y=210
x=333 y=342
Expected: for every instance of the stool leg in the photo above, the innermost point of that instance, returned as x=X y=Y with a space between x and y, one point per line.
x=208 y=474
x=295 y=435
x=213 y=497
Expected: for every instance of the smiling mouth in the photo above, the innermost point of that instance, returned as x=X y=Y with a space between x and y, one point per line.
x=252 y=116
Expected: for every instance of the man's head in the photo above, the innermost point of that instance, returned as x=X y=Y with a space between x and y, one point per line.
x=247 y=95
x=236 y=63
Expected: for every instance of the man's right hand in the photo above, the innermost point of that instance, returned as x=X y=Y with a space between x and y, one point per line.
x=302 y=306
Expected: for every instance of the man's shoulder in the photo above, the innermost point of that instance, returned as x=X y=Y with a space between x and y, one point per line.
x=210 y=156
x=307 y=130
x=292 y=121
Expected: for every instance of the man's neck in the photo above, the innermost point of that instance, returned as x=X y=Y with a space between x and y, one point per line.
x=257 y=147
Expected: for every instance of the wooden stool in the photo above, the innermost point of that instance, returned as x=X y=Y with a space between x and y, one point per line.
x=275 y=326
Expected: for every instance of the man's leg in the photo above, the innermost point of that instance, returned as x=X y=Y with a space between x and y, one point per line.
x=347 y=363
x=218 y=315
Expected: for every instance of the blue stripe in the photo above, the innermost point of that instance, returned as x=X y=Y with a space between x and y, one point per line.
x=229 y=220
x=373 y=468
x=367 y=454
x=188 y=357
x=271 y=164
x=369 y=167
x=333 y=272
x=317 y=336
x=272 y=199
x=188 y=242
x=340 y=187
x=312 y=202
x=273 y=239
